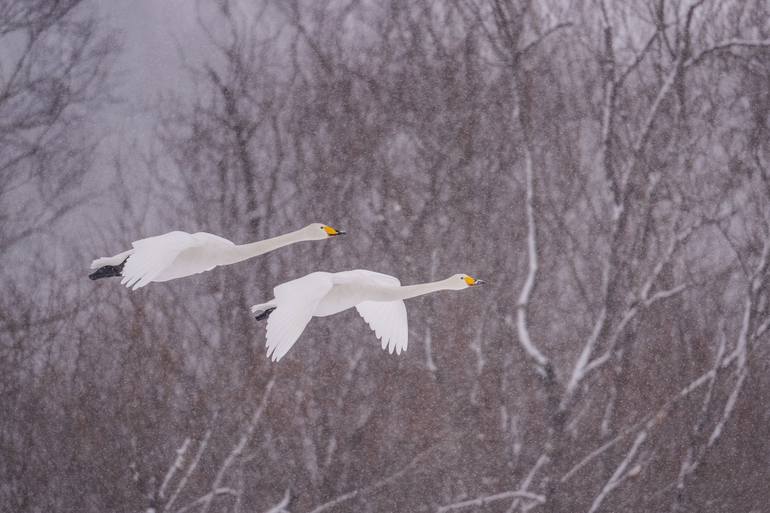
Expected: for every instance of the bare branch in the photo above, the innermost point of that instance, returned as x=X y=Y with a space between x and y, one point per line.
x=547 y=33
x=585 y=363
x=281 y=506
x=621 y=472
x=206 y=499
x=190 y=469
x=527 y=481
x=375 y=486
x=638 y=58
x=541 y=361
x=489 y=499
x=239 y=447
x=175 y=467
x=725 y=45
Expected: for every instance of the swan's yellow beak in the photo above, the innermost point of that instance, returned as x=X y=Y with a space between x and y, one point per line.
x=331 y=232
x=472 y=281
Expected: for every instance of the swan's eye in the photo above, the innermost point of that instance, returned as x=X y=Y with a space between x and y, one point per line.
x=322 y=227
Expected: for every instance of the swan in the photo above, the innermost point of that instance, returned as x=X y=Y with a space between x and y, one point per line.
x=379 y=299
x=177 y=254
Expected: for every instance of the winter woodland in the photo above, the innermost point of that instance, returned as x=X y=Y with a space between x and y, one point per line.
x=603 y=164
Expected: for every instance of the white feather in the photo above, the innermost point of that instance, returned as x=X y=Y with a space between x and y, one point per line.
x=178 y=254
x=295 y=301
x=153 y=255
x=377 y=297
x=388 y=321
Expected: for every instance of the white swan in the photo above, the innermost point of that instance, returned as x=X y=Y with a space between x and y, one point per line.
x=377 y=297
x=178 y=254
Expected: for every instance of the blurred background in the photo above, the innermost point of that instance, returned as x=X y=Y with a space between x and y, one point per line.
x=605 y=165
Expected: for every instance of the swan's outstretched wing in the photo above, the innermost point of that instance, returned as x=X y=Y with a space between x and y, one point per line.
x=154 y=254
x=386 y=318
x=295 y=302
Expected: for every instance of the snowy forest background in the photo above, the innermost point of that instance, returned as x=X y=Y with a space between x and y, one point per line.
x=605 y=165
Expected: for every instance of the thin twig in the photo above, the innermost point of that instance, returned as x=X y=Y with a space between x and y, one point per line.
x=483 y=501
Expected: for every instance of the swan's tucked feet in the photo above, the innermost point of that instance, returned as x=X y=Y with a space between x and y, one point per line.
x=108 y=271
x=261 y=316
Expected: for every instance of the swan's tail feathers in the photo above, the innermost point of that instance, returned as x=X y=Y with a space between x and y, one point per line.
x=116 y=260
x=263 y=311
x=108 y=271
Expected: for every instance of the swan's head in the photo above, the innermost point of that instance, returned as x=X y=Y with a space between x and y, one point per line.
x=319 y=231
x=463 y=281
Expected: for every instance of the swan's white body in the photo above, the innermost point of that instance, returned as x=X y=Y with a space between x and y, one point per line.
x=379 y=299
x=178 y=254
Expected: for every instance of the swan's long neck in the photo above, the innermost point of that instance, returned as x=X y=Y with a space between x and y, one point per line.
x=245 y=251
x=409 y=291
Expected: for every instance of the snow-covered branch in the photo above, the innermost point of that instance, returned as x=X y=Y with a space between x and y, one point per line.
x=699 y=446
x=217 y=489
x=175 y=467
x=649 y=421
x=522 y=494
x=375 y=486
x=206 y=499
x=754 y=287
x=747 y=333
x=527 y=481
x=578 y=371
x=282 y=504
x=622 y=472
x=193 y=465
x=489 y=499
x=239 y=447
x=540 y=360
x=586 y=363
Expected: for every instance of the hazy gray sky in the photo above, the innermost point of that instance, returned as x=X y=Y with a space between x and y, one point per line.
x=151 y=32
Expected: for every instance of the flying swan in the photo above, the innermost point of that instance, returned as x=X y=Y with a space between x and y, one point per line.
x=178 y=254
x=377 y=297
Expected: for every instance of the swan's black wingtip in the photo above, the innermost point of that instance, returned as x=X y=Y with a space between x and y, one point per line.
x=261 y=316
x=108 y=271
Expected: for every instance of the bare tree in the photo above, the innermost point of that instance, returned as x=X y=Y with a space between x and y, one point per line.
x=604 y=166
x=53 y=67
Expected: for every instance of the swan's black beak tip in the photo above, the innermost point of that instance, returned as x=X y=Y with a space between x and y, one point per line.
x=479 y=282
x=339 y=232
